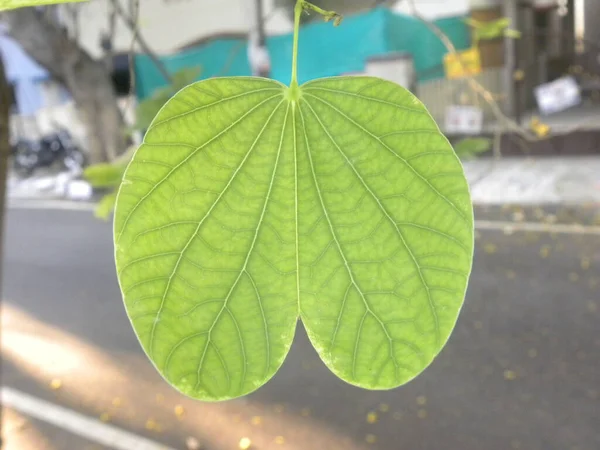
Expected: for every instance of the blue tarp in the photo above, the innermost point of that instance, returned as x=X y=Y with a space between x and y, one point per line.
x=25 y=74
x=324 y=50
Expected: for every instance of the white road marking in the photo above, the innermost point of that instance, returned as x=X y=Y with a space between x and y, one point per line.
x=493 y=225
x=50 y=204
x=497 y=225
x=75 y=423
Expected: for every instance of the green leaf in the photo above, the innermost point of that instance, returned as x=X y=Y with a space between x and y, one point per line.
x=104 y=174
x=147 y=109
x=251 y=204
x=13 y=4
x=106 y=205
x=471 y=147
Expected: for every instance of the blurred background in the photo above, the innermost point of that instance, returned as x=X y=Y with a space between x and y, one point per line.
x=514 y=84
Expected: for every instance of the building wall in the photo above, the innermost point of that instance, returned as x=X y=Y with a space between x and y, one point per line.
x=168 y=25
x=592 y=23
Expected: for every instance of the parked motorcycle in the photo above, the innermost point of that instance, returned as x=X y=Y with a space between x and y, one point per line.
x=57 y=146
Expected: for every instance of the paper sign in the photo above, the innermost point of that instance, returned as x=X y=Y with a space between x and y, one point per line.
x=558 y=95
x=462 y=64
x=464 y=119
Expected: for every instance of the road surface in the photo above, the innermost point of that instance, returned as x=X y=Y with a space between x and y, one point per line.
x=521 y=371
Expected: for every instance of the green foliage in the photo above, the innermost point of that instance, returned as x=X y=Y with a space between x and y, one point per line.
x=493 y=29
x=104 y=175
x=13 y=4
x=251 y=204
x=106 y=205
x=107 y=175
x=469 y=148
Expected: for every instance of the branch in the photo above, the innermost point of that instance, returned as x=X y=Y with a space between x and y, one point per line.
x=488 y=96
x=131 y=22
x=73 y=10
x=473 y=83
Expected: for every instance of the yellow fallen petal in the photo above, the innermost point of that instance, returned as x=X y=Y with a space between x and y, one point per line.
x=370 y=438
x=256 y=420
x=490 y=248
x=585 y=263
x=384 y=407
x=55 y=384
x=372 y=417
x=116 y=402
x=573 y=277
x=280 y=440
x=179 y=411
x=105 y=417
x=151 y=424
x=509 y=375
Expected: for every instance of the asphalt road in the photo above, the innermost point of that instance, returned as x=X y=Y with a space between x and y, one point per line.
x=521 y=371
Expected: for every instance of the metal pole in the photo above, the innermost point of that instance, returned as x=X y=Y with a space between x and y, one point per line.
x=257 y=45
x=259 y=24
x=510 y=61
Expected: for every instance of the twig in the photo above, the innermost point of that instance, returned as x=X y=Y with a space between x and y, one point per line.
x=474 y=84
x=112 y=26
x=488 y=97
x=134 y=11
x=73 y=10
x=131 y=20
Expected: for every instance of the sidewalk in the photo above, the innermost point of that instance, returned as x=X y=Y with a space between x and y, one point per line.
x=527 y=181
x=48 y=186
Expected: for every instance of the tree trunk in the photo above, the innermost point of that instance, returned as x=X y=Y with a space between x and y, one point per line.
x=87 y=80
x=5 y=100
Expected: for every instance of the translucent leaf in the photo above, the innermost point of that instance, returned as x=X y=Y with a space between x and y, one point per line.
x=13 y=4
x=147 y=109
x=249 y=205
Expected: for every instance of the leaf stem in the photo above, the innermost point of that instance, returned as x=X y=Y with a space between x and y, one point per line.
x=301 y=6
x=298 y=9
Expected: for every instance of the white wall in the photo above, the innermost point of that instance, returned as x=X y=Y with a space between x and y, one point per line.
x=170 y=24
x=434 y=9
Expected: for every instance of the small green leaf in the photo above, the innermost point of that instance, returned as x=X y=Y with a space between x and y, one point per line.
x=13 y=4
x=104 y=175
x=471 y=147
x=106 y=205
x=251 y=204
